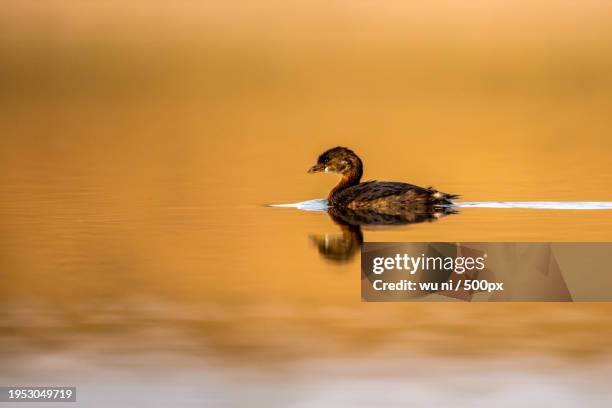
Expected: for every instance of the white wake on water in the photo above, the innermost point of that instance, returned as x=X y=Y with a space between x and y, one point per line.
x=540 y=205
x=320 y=204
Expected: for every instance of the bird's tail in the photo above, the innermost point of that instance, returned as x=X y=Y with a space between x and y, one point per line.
x=440 y=198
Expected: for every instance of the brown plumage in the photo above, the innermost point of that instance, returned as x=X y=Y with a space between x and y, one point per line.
x=385 y=197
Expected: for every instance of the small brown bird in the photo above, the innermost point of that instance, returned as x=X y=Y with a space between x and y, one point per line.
x=380 y=196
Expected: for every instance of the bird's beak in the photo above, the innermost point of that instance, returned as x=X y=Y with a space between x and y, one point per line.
x=316 y=168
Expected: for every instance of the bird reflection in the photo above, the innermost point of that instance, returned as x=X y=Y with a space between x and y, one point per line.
x=343 y=247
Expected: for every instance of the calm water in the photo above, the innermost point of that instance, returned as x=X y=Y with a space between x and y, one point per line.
x=140 y=155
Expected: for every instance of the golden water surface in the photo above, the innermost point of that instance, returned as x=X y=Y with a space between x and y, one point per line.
x=141 y=143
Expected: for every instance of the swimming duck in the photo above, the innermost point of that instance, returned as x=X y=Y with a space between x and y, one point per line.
x=388 y=197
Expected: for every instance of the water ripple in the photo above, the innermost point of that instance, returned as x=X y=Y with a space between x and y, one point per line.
x=320 y=204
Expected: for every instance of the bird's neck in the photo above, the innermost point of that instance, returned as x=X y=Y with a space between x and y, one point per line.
x=349 y=179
